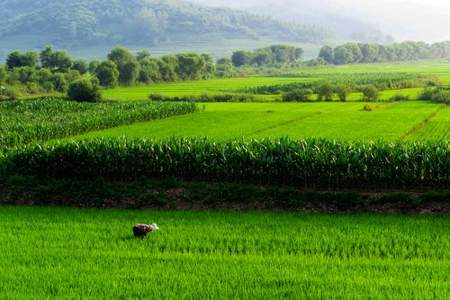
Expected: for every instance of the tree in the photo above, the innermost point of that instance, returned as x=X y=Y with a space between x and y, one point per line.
x=370 y=92
x=17 y=59
x=55 y=60
x=142 y=55
x=129 y=72
x=188 y=66
x=26 y=74
x=149 y=70
x=342 y=91
x=342 y=55
x=44 y=78
x=93 y=66
x=298 y=54
x=127 y=65
x=120 y=56
x=81 y=66
x=262 y=58
x=45 y=56
x=241 y=58
x=59 y=82
x=224 y=67
x=107 y=74
x=325 y=91
x=209 y=67
x=84 y=90
x=327 y=54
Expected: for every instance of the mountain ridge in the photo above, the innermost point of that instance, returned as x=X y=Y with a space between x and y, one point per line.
x=139 y=21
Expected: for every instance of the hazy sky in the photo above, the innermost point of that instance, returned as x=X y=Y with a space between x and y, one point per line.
x=404 y=19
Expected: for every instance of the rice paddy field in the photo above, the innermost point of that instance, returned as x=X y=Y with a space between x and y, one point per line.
x=343 y=121
x=90 y=254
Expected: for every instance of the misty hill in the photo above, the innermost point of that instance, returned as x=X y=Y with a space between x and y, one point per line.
x=341 y=21
x=144 y=22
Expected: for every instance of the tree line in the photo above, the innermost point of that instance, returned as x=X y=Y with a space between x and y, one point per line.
x=353 y=53
x=53 y=71
x=273 y=55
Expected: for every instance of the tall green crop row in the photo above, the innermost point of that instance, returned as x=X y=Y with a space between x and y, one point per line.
x=23 y=122
x=386 y=81
x=306 y=163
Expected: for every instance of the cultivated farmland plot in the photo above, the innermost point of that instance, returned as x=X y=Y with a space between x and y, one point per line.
x=91 y=254
x=342 y=121
x=386 y=156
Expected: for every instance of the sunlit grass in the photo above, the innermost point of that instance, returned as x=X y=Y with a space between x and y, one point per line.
x=53 y=252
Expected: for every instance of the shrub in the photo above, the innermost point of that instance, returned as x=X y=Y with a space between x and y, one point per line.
x=325 y=91
x=367 y=108
x=399 y=97
x=84 y=90
x=370 y=93
x=436 y=94
x=8 y=93
x=342 y=91
x=156 y=97
x=302 y=95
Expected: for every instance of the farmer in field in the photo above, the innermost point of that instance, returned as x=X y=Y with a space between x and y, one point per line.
x=141 y=230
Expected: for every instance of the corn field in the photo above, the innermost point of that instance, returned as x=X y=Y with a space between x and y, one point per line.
x=306 y=163
x=23 y=122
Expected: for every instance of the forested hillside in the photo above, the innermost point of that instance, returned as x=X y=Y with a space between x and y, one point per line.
x=88 y=22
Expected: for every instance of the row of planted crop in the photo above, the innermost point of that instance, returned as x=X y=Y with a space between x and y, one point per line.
x=306 y=163
x=23 y=122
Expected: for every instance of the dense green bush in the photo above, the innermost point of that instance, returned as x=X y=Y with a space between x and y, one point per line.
x=7 y=93
x=436 y=94
x=399 y=97
x=84 y=90
x=370 y=93
x=301 y=95
x=342 y=91
x=306 y=163
x=325 y=91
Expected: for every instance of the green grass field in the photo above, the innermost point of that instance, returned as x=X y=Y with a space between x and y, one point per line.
x=344 y=121
x=231 y=85
x=72 y=253
x=183 y=88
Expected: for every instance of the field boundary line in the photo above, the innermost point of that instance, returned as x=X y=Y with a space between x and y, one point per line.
x=422 y=124
x=286 y=123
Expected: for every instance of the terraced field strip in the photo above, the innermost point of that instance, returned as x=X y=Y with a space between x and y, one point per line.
x=344 y=121
x=221 y=255
x=436 y=128
x=423 y=124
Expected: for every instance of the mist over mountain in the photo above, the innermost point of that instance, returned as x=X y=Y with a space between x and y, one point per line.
x=82 y=22
x=363 y=20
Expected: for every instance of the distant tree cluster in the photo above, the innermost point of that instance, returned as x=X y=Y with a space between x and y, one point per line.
x=353 y=53
x=273 y=55
x=55 y=71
